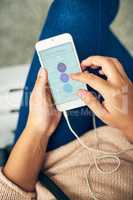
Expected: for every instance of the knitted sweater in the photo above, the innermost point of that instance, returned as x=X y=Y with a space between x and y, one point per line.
x=72 y=168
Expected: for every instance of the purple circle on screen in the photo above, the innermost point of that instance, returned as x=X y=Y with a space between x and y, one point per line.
x=61 y=67
x=64 y=77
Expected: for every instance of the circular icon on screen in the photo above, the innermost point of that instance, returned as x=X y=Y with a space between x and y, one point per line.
x=67 y=88
x=64 y=77
x=61 y=67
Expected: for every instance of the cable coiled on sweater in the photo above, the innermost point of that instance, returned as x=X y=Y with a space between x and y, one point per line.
x=104 y=154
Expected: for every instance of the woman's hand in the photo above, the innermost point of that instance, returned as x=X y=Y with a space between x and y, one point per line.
x=117 y=107
x=43 y=116
x=28 y=155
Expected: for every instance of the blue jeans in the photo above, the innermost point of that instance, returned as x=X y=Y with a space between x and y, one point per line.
x=88 y=22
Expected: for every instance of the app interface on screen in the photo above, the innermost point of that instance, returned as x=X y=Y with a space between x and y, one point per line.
x=60 y=61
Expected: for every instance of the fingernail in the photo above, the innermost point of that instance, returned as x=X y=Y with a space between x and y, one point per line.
x=71 y=75
x=81 y=93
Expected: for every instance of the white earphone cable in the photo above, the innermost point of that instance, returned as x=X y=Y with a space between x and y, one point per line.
x=104 y=154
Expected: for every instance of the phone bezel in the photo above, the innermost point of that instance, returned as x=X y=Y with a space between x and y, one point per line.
x=53 y=42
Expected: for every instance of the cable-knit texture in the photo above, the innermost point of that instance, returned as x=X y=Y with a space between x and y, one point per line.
x=69 y=165
x=10 y=191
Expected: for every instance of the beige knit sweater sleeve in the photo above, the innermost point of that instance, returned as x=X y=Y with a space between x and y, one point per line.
x=10 y=191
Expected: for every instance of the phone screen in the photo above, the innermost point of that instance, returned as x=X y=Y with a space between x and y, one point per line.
x=60 y=61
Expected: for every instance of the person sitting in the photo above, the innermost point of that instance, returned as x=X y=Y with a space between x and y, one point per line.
x=45 y=142
x=88 y=23
x=74 y=168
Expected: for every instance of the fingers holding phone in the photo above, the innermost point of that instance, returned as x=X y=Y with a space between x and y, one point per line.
x=43 y=116
x=117 y=90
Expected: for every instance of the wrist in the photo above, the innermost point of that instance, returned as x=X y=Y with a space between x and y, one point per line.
x=32 y=129
x=43 y=135
x=31 y=148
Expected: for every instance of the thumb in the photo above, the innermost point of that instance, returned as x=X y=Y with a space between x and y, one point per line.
x=42 y=79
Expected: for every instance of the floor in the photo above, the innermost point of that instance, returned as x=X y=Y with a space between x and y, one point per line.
x=20 y=24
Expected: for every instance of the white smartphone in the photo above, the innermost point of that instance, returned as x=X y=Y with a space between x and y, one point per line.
x=58 y=55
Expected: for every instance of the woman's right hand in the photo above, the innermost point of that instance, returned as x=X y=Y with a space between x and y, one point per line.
x=117 y=90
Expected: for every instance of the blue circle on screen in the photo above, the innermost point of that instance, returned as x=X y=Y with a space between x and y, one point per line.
x=61 y=67
x=68 y=88
x=64 y=77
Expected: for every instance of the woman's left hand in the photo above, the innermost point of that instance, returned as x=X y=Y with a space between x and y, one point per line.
x=43 y=116
x=29 y=151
